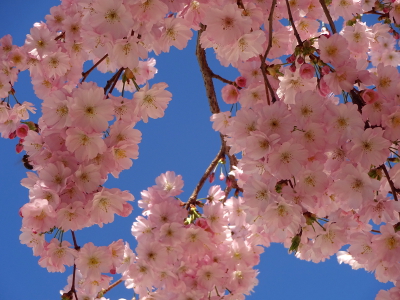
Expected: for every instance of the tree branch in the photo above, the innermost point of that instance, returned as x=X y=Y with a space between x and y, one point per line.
x=103 y=292
x=208 y=75
x=270 y=26
x=86 y=74
x=216 y=76
x=296 y=33
x=112 y=81
x=328 y=16
x=392 y=187
x=213 y=164
x=263 y=66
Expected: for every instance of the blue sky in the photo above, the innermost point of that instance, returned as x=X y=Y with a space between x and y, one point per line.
x=183 y=141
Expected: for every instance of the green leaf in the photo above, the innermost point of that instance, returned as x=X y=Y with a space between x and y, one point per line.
x=295 y=243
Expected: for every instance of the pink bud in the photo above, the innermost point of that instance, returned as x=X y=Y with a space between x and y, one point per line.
x=241 y=81
x=370 y=96
x=211 y=177
x=22 y=130
x=324 y=89
x=113 y=271
x=291 y=58
x=307 y=71
x=292 y=68
x=228 y=182
x=325 y=70
x=300 y=60
x=12 y=135
x=19 y=148
x=221 y=176
x=202 y=223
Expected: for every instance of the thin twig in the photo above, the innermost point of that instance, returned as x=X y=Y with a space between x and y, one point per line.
x=328 y=16
x=112 y=80
x=86 y=74
x=207 y=74
x=216 y=76
x=296 y=33
x=75 y=243
x=392 y=187
x=214 y=108
x=270 y=26
x=103 y=292
x=73 y=283
x=61 y=36
x=210 y=168
x=263 y=66
x=267 y=85
x=116 y=80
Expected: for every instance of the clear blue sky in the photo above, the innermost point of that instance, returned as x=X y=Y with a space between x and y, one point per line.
x=183 y=141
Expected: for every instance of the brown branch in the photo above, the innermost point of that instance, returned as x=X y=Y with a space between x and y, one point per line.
x=263 y=66
x=296 y=33
x=328 y=16
x=270 y=25
x=213 y=164
x=72 y=291
x=77 y=248
x=116 y=80
x=240 y=4
x=216 y=76
x=392 y=187
x=86 y=74
x=208 y=75
x=267 y=84
x=113 y=81
x=103 y=292
x=61 y=36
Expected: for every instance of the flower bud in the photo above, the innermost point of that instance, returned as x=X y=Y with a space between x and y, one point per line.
x=241 y=81
x=22 y=131
x=211 y=177
x=12 y=135
x=19 y=148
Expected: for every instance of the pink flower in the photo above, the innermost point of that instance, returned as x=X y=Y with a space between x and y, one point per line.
x=90 y=110
x=22 y=131
x=370 y=148
x=226 y=25
x=57 y=255
x=92 y=261
x=72 y=216
x=286 y=161
x=111 y=16
x=106 y=203
x=38 y=215
x=176 y=32
x=169 y=184
x=84 y=145
x=152 y=102
x=230 y=94
x=307 y=71
x=334 y=49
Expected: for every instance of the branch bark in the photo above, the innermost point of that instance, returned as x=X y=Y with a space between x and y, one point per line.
x=328 y=16
x=208 y=76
